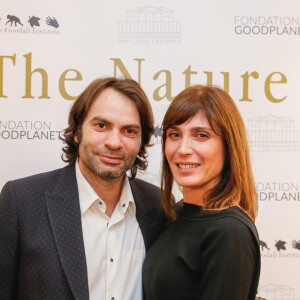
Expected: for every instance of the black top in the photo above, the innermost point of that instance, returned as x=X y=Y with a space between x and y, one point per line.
x=204 y=255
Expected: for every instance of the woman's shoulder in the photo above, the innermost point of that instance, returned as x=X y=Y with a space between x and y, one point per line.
x=234 y=223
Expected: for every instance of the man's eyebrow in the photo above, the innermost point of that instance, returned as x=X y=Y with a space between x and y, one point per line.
x=100 y=119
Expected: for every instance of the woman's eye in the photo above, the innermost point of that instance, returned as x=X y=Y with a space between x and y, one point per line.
x=173 y=134
x=202 y=135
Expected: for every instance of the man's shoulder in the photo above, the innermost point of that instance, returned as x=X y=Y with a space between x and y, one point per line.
x=144 y=186
x=146 y=193
x=40 y=180
x=147 y=184
x=38 y=176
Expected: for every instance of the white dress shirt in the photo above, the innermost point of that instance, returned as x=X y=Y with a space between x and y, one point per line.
x=114 y=246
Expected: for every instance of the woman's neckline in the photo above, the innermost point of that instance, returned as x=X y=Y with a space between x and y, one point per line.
x=194 y=210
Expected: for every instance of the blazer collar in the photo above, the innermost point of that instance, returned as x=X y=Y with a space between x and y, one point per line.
x=65 y=219
x=145 y=212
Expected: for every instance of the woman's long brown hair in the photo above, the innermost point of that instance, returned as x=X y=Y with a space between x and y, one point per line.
x=236 y=185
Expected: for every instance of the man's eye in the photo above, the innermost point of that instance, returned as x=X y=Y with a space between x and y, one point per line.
x=101 y=125
x=130 y=131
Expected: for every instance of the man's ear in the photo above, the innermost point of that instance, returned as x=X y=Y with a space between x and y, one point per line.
x=76 y=139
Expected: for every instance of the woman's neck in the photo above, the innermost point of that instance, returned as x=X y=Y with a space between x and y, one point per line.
x=193 y=196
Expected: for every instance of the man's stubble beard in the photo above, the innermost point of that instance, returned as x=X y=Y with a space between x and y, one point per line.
x=91 y=163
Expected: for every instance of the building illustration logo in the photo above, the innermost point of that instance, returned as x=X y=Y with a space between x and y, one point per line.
x=273 y=134
x=276 y=292
x=149 y=24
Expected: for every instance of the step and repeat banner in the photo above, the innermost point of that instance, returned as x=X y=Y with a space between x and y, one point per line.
x=49 y=52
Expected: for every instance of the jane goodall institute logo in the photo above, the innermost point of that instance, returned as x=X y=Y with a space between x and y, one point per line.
x=280 y=248
x=33 y=24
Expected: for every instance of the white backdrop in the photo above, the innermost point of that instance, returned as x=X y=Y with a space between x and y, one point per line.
x=49 y=52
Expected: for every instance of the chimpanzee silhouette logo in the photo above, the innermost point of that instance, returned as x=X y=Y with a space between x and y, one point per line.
x=280 y=245
x=52 y=22
x=263 y=245
x=13 y=19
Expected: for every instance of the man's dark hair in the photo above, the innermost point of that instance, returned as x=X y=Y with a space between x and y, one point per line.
x=127 y=87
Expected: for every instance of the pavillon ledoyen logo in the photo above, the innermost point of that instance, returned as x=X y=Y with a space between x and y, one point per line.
x=149 y=24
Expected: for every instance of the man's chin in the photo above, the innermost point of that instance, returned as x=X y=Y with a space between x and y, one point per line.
x=109 y=173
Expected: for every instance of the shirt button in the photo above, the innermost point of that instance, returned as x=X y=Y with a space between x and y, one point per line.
x=100 y=203
x=124 y=205
x=111 y=260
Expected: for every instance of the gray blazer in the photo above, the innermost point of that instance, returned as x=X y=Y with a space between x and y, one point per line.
x=41 y=244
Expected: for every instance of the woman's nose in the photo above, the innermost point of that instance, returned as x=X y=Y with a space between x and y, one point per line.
x=185 y=147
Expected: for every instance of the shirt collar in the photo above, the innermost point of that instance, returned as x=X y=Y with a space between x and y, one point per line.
x=87 y=195
x=126 y=201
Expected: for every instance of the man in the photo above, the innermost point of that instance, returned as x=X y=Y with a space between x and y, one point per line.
x=81 y=232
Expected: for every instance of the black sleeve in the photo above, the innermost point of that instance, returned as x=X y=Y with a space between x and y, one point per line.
x=8 y=245
x=228 y=262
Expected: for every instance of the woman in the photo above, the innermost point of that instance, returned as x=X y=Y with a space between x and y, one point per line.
x=210 y=251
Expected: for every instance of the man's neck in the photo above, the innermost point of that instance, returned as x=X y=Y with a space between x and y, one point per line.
x=108 y=190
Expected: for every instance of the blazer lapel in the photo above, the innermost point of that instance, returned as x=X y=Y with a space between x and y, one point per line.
x=149 y=213
x=65 y=219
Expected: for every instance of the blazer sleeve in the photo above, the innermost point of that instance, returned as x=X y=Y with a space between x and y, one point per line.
x=228 y=263
x=8 y=244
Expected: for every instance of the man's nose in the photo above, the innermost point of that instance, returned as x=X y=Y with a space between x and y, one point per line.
x=113 y=140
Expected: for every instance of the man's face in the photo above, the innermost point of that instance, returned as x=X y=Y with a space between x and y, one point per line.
x=110 y=136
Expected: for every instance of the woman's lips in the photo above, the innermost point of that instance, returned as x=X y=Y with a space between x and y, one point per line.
x=187 y=165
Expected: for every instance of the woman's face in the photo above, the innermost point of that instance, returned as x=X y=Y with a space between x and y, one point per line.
x=195 y=153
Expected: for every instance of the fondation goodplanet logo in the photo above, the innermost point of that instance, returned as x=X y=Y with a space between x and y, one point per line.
x=28 y=130
x=267 y=25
